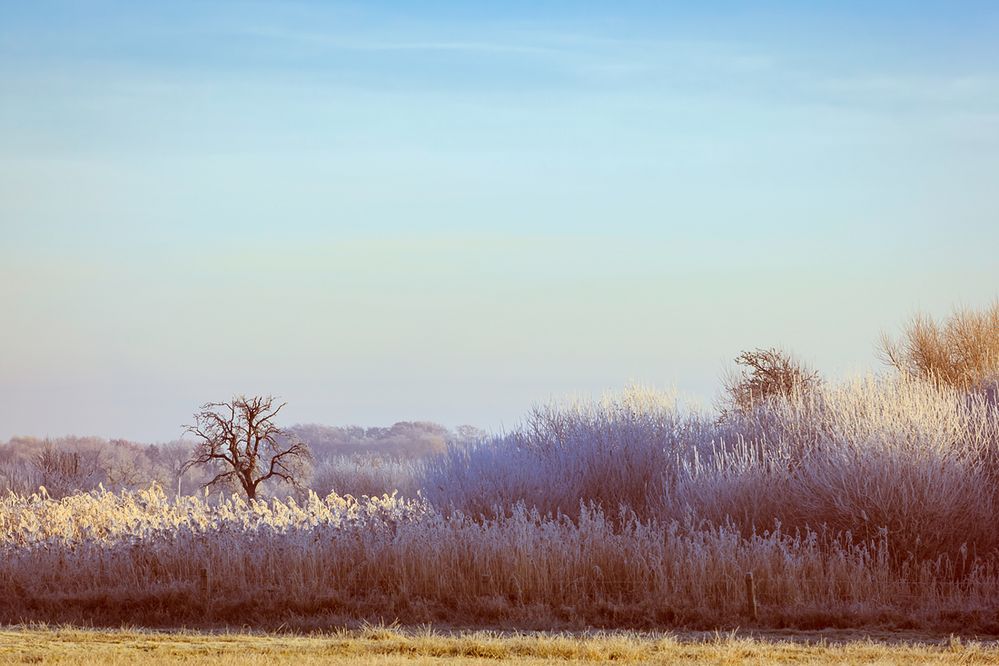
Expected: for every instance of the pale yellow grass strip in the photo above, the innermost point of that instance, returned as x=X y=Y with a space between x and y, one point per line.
x=390 y=646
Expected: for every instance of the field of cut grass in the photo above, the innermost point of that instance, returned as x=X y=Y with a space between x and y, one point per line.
x=377 y=645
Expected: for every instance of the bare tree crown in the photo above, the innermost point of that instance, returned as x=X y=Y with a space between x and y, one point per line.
x=765 y=374
x=240 y=439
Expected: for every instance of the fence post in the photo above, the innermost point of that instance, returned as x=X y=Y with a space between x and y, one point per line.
x=750 y=596
x=206 y=585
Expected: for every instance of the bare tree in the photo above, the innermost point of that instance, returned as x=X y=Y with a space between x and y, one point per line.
x=240 y=439
x=765 y=374
x=65 y=472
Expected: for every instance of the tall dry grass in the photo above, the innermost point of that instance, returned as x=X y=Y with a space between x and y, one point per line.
x=870 y=499
x=141 y=556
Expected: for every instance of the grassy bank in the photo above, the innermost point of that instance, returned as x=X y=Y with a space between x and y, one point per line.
x=391 y=646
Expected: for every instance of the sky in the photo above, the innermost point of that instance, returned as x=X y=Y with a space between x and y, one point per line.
x=450 y=211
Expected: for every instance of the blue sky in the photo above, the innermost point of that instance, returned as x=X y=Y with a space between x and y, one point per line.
x=449 y=211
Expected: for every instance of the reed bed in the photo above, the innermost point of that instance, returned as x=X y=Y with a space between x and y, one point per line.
x=144 y=555
x=868 y=502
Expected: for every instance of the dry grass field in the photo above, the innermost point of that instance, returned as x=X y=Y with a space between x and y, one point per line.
x=867 y=504
x=377 y=645
x=870 y=503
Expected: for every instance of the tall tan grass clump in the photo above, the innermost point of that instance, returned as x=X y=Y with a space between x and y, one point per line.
x=962 y=351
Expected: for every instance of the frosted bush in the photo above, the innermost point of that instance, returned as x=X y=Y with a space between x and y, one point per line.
x=862 y=457
x=616 y=452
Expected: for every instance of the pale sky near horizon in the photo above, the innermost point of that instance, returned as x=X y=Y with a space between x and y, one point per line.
x=450 y=211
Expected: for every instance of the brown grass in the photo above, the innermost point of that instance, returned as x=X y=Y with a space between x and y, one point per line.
x=865 y=504
x=139 y=557
x=381 y=645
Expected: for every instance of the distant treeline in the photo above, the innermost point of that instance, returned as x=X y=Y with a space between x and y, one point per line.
x=65 y=465
x=404 y=440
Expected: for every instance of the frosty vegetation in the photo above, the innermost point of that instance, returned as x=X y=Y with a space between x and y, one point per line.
x=358 y=461
x=866 y=501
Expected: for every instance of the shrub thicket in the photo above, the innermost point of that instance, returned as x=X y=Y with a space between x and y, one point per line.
x=963 y=351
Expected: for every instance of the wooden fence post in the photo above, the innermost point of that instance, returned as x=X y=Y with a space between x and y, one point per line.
x=206 y=585
x=750 y=596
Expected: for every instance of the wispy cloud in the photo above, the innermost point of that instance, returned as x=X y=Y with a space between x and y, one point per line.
x=375 y=43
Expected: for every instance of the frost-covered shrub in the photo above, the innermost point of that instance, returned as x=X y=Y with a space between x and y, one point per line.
x=871 y=457
x=616 y=451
